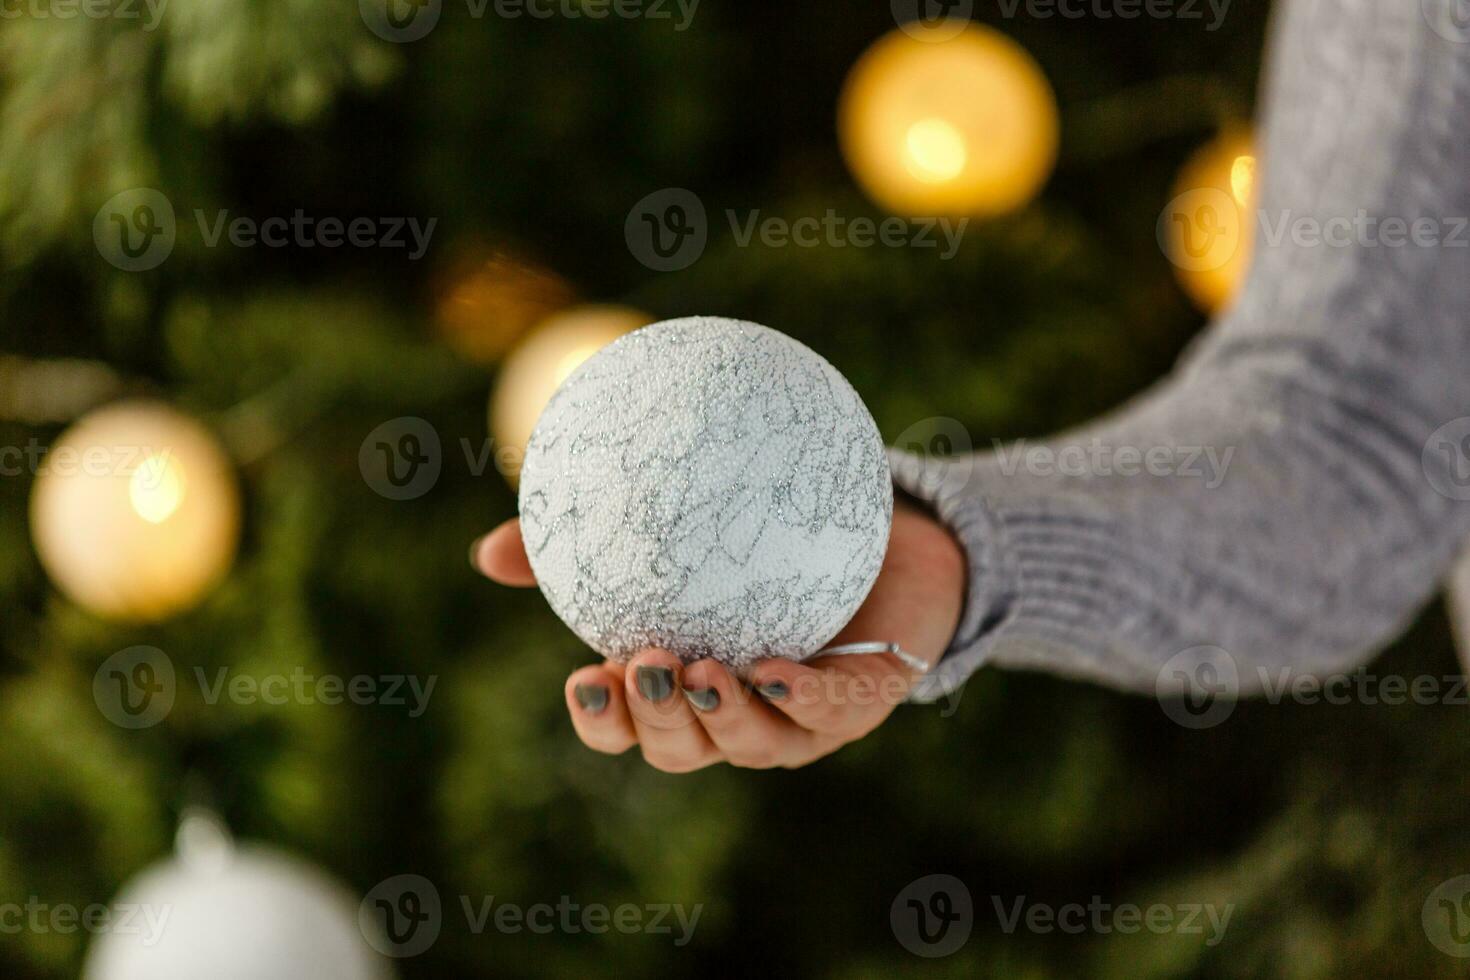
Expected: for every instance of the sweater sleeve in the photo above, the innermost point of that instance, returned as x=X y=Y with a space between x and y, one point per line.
x=1296 y=488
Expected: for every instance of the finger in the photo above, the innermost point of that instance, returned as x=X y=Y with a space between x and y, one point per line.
x=668 y=733
x=747 y=732
x=844 y=697
x=599 y=711
x=501 y=555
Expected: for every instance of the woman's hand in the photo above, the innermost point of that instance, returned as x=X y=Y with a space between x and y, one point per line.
x=688 y=717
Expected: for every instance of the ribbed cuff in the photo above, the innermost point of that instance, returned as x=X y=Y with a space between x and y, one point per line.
x=1051 y=586
x=930 y=482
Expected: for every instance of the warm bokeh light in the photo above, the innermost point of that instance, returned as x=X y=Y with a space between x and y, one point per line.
x=1207 y=229
x=1243 y=179
x=936 y=151
x=135 y=513
x=960 y=126
x=535 y=369
x=572 y=361
x=156 y=488
x=488 y=299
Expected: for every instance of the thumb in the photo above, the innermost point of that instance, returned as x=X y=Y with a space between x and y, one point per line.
x=501 y=556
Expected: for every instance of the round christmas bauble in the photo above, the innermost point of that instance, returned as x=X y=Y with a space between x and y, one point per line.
x=254 y=915
x=135 y=512
x=708 y=486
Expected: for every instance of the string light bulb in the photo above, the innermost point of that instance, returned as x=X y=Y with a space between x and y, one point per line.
x=489 y=299
x=1207 y=229
x=936 y=122
x=156 y=488
x=536 y=369
x=135 y=512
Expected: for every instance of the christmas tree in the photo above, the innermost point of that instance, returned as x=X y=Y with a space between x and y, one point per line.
x=356 y=228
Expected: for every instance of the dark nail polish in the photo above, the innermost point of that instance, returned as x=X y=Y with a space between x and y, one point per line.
x=655 y=683
x=774 y=691
x=705 y=699
x=592 y=698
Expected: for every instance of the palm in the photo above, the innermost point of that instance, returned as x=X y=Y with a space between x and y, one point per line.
x=789 y=714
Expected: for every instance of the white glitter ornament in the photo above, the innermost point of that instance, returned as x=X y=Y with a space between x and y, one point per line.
x=230 y=913
x=710 y=487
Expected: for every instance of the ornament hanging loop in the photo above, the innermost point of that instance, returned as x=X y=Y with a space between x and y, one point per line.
x=203 y=841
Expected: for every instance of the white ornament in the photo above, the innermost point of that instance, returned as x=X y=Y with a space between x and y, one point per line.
x=233 y=914
x=710 y=487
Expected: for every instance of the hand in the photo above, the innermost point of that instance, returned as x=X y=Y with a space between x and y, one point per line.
x=688 y=717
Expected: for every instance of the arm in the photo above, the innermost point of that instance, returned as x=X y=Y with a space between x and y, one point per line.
x=1319 y=391
x=1324 y=385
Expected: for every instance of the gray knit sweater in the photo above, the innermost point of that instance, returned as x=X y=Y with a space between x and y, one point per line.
x=1338 y=515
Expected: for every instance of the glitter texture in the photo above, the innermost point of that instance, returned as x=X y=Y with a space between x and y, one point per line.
x=707 y=486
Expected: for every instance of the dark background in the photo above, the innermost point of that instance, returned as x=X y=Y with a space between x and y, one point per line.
x=1326 y=827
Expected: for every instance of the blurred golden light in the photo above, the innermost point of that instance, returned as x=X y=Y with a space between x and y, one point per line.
x=489 y=299
x=572 y=361
x=156 y=489
x=135 y=512
x=936 y=150
x=1243 y=179
x=533 y=372
x=1207 y=229
x=959 y=125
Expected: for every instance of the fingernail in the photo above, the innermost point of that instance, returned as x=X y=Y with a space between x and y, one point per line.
x=592 y=698
x=475 y=551
x=774 y=690
x=705 y=699
x=655 y=683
